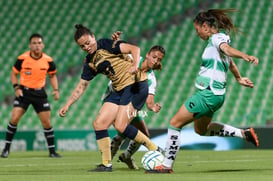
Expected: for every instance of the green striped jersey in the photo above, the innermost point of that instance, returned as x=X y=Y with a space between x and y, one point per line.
x=215 y=64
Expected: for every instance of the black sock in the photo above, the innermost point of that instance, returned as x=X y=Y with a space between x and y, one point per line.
x=11 y=130
x=49 y=135
x=130 y=132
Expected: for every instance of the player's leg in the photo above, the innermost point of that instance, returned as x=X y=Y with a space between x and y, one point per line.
x=133 y=146
x=137 y=94
x=105 y=118
x=178 y=121
x=193 y=107
x=224 y=130
x=121 y=124
x=204 y=126
x=17 y=113
x=41 y=106
x=116 y=143
x=44 y=117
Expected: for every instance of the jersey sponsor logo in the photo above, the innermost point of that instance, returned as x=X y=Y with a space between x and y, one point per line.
x=106 y=68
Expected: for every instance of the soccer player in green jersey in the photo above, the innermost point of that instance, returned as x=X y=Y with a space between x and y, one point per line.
x=213 y=26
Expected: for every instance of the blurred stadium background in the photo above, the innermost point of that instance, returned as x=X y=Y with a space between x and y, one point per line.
x=145 y=23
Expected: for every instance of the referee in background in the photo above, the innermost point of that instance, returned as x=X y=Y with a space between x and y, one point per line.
x=33 y=67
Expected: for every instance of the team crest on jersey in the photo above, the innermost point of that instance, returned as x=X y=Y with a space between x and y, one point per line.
x=105 y=68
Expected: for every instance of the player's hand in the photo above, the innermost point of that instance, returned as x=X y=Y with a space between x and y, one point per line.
x=56 y=95
x=133 y=69
x=18 y=92
x=116 y=35
x=252 y=59
x=156 y=108
x=246 y=82
x=63 y=111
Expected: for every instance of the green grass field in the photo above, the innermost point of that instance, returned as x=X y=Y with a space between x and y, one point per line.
x=249 y=165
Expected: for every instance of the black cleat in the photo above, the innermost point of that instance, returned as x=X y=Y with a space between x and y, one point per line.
x=5 y=154
x=251 y=136
x=128 y=161
x=55 y=155
x=102 y=168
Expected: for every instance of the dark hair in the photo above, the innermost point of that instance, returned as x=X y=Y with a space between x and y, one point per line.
x=217 y=18
x=162 y=50
x=81 y=30
x=35 y=35
x=157 y=48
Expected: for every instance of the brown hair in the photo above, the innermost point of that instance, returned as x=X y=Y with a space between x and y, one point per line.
x=81 y=30
x=217 y=18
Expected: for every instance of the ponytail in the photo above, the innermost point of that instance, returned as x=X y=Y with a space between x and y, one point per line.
x=81 y=30
x=217 y=18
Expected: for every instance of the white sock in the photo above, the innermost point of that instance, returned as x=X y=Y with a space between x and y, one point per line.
x=172 y=146
x=218 y=129
x=132 y=148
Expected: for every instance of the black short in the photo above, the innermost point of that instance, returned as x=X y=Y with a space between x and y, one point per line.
x=38 y=99
x=135 y=93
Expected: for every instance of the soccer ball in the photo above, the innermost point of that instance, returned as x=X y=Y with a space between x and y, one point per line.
x=151 y=159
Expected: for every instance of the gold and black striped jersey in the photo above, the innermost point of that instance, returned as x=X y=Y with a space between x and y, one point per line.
x=109 y=60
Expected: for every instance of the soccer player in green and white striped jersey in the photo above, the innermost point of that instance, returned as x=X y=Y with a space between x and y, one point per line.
x=213 y=26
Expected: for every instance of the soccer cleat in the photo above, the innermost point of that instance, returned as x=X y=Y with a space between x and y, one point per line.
x=102 y=168
x=251 y=136
x=128 y=161
x=160 y=169
x=54 y=155
x=5 y=154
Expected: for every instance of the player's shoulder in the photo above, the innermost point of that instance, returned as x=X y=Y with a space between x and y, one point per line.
x=24 y=55
x=47 y=58
x=220 y=35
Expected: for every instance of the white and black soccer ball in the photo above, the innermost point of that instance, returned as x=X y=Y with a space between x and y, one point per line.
x=151 y=159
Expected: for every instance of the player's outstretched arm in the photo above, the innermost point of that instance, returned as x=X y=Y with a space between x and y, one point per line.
x=76 y=94
x=232 y=52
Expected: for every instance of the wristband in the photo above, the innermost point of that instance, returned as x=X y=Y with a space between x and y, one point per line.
x=15 y=85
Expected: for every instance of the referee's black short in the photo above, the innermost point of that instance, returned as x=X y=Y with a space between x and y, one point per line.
x=36 y=97
x=135 y=93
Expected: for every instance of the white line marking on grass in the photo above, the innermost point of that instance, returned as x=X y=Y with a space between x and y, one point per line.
x=35 y=165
